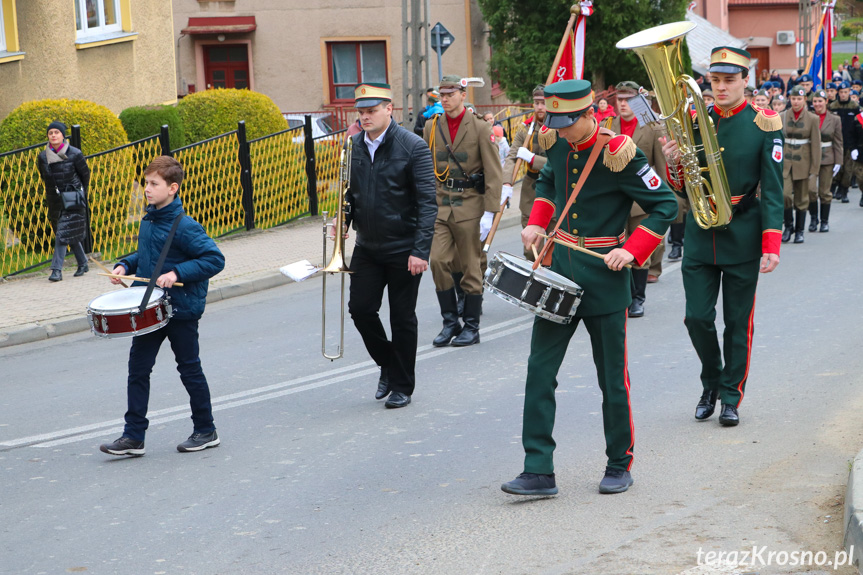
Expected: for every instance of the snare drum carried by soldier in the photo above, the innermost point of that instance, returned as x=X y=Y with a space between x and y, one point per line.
x=802 y=162
x=596 y=221
x=469 y=178
x=831 y=163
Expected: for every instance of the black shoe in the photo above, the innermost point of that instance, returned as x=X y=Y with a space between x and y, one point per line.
x=56 y=276
x=449 y=311
x=398 y=399
x=531 y=484
x=786 y=234
x=798 y=237
x=825 y=215
x=81 y=270
x=706 y=405
x=615 y=481
x=123 y=446
x=383 y=385
x=825 y=227
x=843 y=195
x=199 y=442
x=470 y=334
x=675 y=254
x=729 y=416
x=636 y=309
x=813 y=224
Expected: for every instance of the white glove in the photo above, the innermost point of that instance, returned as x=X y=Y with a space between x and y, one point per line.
x=854 y=154
x=837 y=167
x=505 y=193
x=485 y=225
x=525 y=155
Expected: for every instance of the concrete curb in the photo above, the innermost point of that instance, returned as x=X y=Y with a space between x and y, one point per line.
x=854 y=512
x=32 y=332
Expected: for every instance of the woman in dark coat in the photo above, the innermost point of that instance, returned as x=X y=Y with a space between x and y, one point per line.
x=63 y=168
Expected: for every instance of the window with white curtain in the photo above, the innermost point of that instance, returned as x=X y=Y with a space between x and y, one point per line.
x=96 y=17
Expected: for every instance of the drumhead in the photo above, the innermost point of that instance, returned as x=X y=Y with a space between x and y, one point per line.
x=124 y=299
x=516 y=263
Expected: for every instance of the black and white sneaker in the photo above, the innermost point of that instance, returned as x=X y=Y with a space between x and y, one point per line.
x=123 y=446
x=199 y=441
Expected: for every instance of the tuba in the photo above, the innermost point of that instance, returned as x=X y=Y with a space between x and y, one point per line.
x=659 y=51
x=337 y=263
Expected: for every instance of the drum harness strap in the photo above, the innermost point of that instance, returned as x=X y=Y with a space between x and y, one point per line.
x=161 y=261
x=545 y=255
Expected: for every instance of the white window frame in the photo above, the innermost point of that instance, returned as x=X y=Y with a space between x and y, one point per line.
x=102 y=29
x=2 y=30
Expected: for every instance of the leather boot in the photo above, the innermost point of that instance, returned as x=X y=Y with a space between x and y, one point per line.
x=82 y=269
x=843 y=194
x=456 y=280
x=56 y=276
x=789 y=224
x=470 y=334
x=813 y=216
x=798 y=228
x=639 y=287
x=825 y=215
x=449 y=312
x=676 y=234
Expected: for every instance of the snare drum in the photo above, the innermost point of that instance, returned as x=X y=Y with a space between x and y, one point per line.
x=542 y=291
x=116 y=314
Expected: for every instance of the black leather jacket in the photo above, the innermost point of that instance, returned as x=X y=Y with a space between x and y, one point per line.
x=71 y=173
x=393 y=204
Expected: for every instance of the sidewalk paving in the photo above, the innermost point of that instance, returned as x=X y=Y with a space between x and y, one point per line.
x=33 y=309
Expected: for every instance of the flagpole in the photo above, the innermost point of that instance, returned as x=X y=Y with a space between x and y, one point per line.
x=812 y=55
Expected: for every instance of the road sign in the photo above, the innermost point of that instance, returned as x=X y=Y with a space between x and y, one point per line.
x=440 y=38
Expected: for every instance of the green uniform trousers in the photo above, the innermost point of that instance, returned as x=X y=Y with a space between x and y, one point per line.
x=701 y=284
x=825 y=178
x=795 y=193
x=547 y=349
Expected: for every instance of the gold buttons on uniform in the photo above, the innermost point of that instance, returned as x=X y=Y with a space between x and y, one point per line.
x=575 y=216
x=575 y=171
x=575 y=232
x=573 y=186
x=575 y=156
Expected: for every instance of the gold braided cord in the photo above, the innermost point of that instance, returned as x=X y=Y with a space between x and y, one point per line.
x=441 y=176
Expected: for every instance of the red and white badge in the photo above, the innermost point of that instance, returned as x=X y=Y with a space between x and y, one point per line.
x=651 y=180
x=777 y=153
x=492 y=138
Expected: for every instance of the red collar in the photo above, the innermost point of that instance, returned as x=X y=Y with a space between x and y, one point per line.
x=727 y=114
x=585 y=144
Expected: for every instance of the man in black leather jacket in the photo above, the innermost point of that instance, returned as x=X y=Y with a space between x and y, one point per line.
x=393 y=210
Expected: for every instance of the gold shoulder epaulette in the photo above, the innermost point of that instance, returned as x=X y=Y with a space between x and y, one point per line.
x=546 y=138
x=619 y=151
x=767 y=120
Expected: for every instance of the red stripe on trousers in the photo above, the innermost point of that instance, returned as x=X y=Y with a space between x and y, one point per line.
x=749 y=330
x=628 y=402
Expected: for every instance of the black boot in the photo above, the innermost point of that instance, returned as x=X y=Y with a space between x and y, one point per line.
x=676 y=234
x=449 y=312
x=798 y=228
x=456 y=279
x=789 y=224
x=813 y=216
x=470 y=334
x=56 y=276
x=843 y=194
x=825 y=215
x=639 y=287
x=82 y=269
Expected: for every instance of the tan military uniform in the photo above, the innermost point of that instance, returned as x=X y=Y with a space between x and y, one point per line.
x=460 y=208
x=802 y=156
x=647 y=141
x=528 y=184
x=831 y=154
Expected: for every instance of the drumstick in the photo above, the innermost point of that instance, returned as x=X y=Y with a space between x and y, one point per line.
x=578 y=248
x=98 y=263
x=135 y=278
x=535 y=255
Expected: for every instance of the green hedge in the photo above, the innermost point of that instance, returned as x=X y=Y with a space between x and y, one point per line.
x=213 y=112
x=144 y=121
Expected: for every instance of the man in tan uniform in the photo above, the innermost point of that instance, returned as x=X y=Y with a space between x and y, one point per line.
x=831 y=162
x=802 y=161
x=646 y=139
x=469 y=179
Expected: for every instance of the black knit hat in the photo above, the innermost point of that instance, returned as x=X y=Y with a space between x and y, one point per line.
x=57 y=125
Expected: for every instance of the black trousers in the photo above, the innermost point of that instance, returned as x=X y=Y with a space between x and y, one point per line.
x=373 y=272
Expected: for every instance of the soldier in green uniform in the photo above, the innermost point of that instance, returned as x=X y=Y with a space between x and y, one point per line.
x=732 y=258
x=802 y=161
x=469 y=179
x=597 y=220
x=831 y=162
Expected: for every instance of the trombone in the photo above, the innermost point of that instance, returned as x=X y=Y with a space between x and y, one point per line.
x=337 y=263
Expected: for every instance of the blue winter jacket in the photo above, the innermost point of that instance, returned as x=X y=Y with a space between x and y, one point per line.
x=193 y=256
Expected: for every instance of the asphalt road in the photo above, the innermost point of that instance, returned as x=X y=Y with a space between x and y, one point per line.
x=316 y=477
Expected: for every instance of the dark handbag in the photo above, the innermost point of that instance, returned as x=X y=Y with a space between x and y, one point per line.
x=72 y=198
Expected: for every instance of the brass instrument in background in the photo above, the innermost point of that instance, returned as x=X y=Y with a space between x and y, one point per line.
x=337 y=263
x=659 y=51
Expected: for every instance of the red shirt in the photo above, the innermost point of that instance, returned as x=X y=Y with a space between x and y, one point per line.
x=627 y=127
x=821 y=121
x=453 y=124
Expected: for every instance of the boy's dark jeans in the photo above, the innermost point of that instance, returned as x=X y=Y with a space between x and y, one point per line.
x=183 y=335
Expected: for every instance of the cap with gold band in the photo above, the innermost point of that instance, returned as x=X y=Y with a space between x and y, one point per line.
x=729 y=60
x=370 y=94
x=565 y=101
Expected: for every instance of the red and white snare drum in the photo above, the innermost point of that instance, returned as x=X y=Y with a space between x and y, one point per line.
x=116 y=314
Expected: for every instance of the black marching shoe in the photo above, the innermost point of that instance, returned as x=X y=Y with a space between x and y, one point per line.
x=800 y=224
x=706 y=405
x=825 y=214
x=636 y=309
x=615 y=481
x=531 y=484
x=383 y=385
x=199 y=442
x=788 y=215
x=813 y=217
x=472 y=309
x=56 y=276
x=798 y=237
x=449 y=311
x=82 y=269
x=843 y=195
x=786 y=234
x=729 y=416
x=123 y=446
x=398 y=399
x=676 y=253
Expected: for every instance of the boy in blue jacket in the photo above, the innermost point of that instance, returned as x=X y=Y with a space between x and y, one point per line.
x=192 y=259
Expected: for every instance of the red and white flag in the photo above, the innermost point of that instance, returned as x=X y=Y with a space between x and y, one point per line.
x=571 y=65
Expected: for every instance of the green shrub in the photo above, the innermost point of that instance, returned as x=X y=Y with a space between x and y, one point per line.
x=28 y=123
x=144 y=121
x=213 y=112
